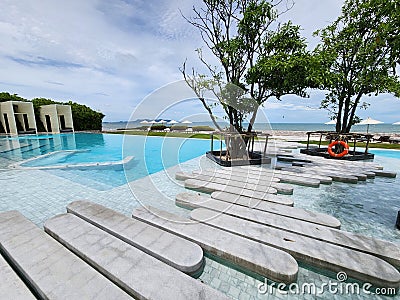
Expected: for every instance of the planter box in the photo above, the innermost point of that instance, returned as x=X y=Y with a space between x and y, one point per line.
x=256 y=158
x=324 y=153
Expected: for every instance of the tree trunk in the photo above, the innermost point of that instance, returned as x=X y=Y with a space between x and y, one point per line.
x=339 y=116
x=236 y=147
x=353 y=110
x=252 y=120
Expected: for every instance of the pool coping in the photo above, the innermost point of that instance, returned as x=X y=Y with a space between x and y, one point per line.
x=19 y=165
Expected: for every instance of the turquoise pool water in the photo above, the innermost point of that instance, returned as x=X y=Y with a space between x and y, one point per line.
x=368 y=207
x=386 y=153
x=151 y=155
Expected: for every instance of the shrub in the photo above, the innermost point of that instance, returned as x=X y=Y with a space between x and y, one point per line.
x=202 y=128
x=86 y=118
x=144 y=127
x=178 y=127
x=158 y=127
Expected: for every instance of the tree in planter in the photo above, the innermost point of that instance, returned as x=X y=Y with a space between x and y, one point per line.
x=360 y=51
x=256 y=62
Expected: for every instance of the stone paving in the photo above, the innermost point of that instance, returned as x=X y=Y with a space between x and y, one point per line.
x=40 y=195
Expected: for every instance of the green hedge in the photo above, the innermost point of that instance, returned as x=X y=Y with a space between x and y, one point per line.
x=202 y=128
x=178 y=127
x=158 y=127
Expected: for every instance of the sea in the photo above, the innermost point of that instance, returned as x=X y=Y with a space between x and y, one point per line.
x=378 y=128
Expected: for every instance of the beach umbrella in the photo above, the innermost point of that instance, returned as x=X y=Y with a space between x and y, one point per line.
x=161 y=122
x=368 y=121
x=173 y=122
x=144 y=122
x=153 y=122
x=397 y=123
x=186 y=122
x=331 y=122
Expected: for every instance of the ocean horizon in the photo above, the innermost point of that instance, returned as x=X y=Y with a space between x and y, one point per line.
x=378 y=128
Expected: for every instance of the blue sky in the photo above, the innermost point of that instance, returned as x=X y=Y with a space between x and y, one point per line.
x=110 y=55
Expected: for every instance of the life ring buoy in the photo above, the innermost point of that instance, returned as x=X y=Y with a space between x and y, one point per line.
x=341 y=154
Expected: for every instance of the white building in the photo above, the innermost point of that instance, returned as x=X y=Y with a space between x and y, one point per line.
x=57 y=118
x=17 y=117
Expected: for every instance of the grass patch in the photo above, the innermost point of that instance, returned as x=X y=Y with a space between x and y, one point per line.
x=359 y=144
x=166 y=134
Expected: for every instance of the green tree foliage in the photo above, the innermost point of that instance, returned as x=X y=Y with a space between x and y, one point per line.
x=258 y=58
x=4 y=96
x=360 y=52
x=84 y=117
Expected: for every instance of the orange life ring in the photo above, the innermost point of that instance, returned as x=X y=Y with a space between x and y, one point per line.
x=341 y=154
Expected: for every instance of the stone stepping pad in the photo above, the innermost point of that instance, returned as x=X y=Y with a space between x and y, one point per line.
x=139 y=274
x=11 y=286
x=174 y=251
x=224 y=200
x=357 y=265
x=51 y=270
x=243 y=182
x=266 y=261
x=210 y=187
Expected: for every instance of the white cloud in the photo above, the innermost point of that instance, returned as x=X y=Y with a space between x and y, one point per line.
x=111 y=54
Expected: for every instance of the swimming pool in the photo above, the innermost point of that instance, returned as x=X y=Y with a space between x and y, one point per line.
x=369 y=207
x=386 y=153
x=150 y=155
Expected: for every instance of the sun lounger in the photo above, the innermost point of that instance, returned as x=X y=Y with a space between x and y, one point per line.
x=382 y=139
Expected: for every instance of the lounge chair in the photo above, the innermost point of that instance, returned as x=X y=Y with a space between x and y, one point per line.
x=382 y=139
